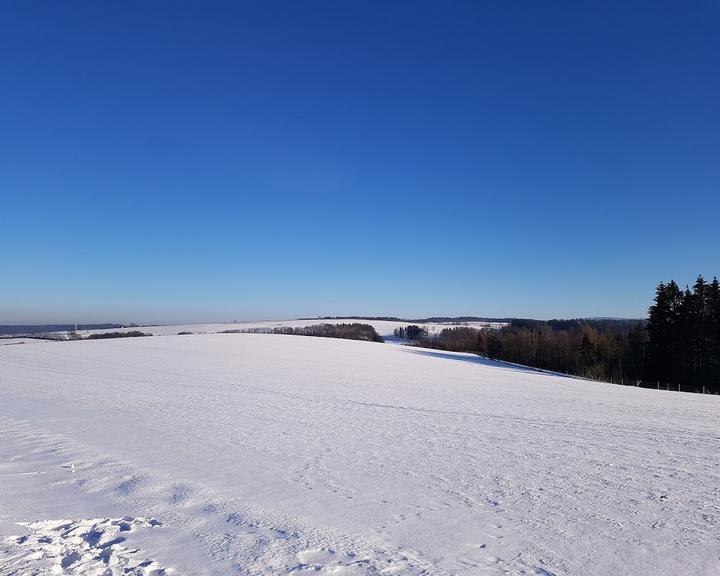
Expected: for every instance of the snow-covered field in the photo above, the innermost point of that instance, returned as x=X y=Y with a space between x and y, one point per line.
x=263 y=454
x=383 y=327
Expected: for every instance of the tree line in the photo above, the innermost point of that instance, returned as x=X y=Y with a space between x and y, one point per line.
x=354 y=331
x=677 y=348
x=684 y=334
x=106 y=335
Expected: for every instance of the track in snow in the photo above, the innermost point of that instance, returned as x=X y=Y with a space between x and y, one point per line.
x=78 y=547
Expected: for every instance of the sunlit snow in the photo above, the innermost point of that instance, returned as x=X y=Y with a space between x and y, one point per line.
x=218 y=454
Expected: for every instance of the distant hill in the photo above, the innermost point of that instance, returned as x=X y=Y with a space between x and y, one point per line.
x=432 y=319
x=460 y=319
x=16 y=329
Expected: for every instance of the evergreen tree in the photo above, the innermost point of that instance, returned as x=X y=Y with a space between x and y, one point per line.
x=714 y=330
x=684 y=336
x=698 y=332
x=665 y=329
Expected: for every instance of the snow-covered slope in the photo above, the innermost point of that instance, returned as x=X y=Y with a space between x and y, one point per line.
x=383 y=327
x=224 y=454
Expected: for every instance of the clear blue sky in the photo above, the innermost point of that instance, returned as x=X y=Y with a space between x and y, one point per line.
x=188 y=161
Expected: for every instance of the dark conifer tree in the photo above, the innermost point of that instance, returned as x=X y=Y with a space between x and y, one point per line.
x=714 y=330
x=698 y=332
x=665 y=329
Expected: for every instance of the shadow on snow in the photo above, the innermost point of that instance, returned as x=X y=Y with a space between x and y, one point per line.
x=474 y=359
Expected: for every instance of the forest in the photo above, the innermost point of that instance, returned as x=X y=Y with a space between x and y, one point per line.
x=676 y=348
x=354 y=331
x=106 y=335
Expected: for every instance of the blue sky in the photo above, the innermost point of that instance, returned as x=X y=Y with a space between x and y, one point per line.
x=190 y=161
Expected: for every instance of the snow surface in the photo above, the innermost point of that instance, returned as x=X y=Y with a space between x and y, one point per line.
x=383 y=327
x=222 y=454
x=10 y=341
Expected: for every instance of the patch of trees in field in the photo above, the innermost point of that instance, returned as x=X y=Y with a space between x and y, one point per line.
x=354 y=331
x=106 y=335
x=412 y=332
x=677 y=348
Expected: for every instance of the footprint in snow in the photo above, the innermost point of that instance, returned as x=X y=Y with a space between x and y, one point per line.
x=82 y=548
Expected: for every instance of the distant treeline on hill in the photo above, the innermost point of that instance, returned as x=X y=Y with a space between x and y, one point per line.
x=106 y=335
x=15 y=329
x=347 y=331
x=677 y=348
x=430 y=320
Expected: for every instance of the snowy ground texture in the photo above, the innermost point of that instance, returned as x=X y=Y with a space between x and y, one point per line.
x=383 y=327
x=221 y=454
